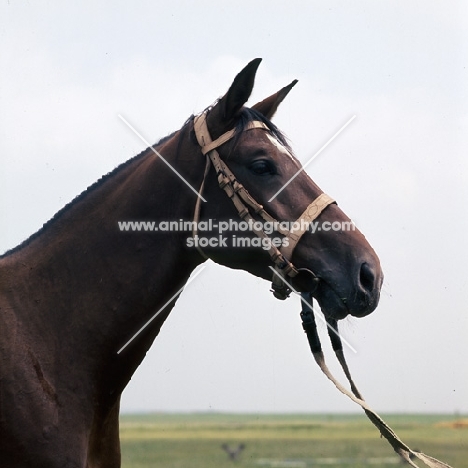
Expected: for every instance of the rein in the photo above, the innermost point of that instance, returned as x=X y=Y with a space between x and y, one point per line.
x=310 y=328
x=244 y=204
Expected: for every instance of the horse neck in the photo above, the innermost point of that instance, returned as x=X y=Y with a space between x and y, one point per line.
x=85 y=279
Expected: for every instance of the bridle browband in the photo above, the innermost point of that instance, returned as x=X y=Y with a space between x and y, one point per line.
x=245 y=204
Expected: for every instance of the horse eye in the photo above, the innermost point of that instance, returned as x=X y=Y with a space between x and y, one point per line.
x=262 y=167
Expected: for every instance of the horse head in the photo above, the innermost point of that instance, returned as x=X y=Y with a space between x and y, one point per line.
x=274 y=214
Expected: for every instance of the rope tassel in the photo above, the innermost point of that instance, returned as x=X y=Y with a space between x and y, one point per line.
x=310 y=328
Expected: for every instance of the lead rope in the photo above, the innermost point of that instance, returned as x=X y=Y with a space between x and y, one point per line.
x=310 y=328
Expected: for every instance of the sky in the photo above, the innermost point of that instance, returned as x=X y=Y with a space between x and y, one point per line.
x=399 y=170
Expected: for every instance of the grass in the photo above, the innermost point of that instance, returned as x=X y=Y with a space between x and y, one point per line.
x=291 y=441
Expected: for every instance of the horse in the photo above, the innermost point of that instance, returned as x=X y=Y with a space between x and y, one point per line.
x=80 y=288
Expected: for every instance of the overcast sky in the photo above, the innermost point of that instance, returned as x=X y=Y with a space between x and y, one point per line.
x=399 y=170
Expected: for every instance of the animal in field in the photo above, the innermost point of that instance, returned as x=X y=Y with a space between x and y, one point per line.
x=233 y=452
x=75 y=292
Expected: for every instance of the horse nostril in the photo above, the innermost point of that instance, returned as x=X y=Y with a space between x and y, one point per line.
x=367 y=277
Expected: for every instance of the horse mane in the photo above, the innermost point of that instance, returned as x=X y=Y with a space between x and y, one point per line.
x=82 y=195
x=246 y=115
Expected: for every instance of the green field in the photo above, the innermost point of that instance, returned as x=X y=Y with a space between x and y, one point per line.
x=289 y=441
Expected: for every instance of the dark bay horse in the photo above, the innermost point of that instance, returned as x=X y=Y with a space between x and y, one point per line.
x=75 y=292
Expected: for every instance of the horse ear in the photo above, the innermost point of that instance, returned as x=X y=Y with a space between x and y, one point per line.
x=268 y=106
x=225 y=111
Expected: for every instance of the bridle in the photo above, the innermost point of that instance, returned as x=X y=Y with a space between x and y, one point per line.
x=245 y=204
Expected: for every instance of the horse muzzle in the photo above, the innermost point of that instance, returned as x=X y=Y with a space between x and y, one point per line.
x=358 y=297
